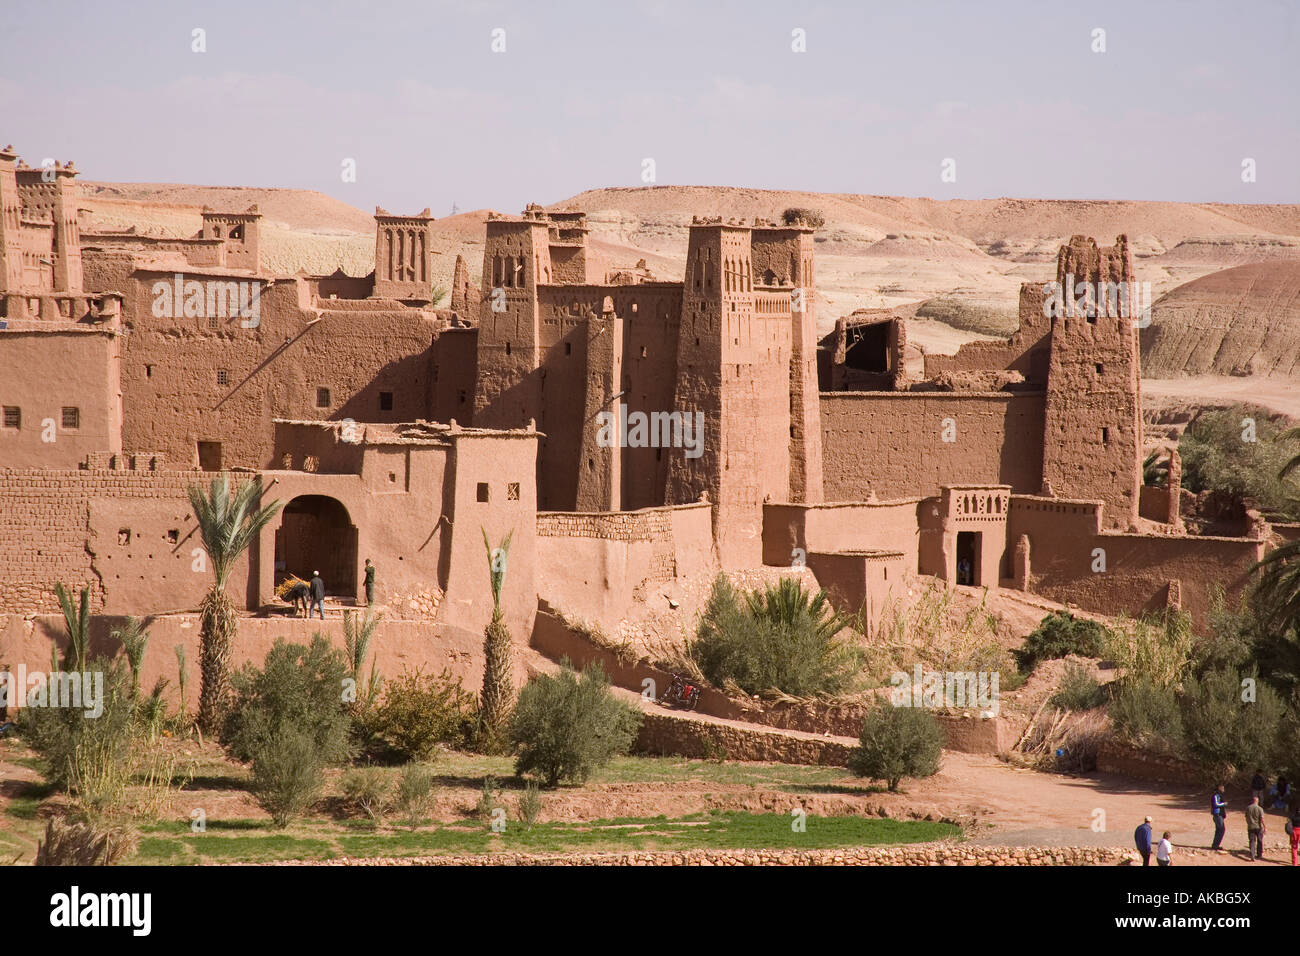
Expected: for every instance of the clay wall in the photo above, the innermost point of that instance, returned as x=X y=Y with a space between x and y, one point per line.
x=591 y=566
x=185 y=382
x=1063 y=535
x=129 y=535
x=841 y=526
x=64 y=382
x=892 y=442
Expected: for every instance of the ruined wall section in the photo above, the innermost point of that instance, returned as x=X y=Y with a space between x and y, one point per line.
x=1133 y=573
x=1092 y=441
x=892 y=443
x=1025 y=352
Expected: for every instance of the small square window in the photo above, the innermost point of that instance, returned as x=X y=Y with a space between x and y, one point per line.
x=568 y=348
x=124 y=536
x=174 y=536
x=482 y=491
x=461 y=396
x=213 y=322
x=1105 y=436
x=322 y=398
x=512 y=491
x=71 y=417
x=148 y=371
x=385 y=401
x=223 y=376
x=643 y=351
x=1099 y=368
x=13 y=416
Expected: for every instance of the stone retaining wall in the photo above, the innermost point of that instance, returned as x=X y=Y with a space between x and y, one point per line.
x=920 y=854
x=668 y=735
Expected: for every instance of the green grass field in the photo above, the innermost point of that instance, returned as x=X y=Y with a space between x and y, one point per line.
x=251 y=841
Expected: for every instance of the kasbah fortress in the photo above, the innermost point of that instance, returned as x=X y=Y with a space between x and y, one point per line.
x=394 y=428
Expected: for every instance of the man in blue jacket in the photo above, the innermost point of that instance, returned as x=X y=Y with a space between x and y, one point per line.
x=1142 y=836
x=1218 y=810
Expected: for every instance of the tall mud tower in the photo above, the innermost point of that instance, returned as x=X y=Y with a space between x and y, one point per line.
x=733 y=366
x=1092 y=439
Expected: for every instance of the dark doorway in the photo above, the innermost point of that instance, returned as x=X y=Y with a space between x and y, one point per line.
x=968 y=557
x=317 y=535
x=868 y=349
x=210 y=456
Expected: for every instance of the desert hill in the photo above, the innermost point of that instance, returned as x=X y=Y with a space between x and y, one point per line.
x=1243 y=321
x=957 y=264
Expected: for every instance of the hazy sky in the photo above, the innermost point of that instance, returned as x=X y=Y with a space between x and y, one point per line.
x=712 y=92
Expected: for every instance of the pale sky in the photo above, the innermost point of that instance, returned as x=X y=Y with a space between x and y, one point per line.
x=712 y=92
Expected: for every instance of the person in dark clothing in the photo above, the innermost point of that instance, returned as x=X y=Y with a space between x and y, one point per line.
x=1255 y=829
x=1219 y=811
x=317 y=595
x=370 y=583
x=1142 y=837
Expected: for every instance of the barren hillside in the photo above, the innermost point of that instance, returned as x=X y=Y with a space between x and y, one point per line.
x=956 y=263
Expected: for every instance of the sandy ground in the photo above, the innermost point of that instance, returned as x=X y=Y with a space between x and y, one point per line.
x=1278 y=394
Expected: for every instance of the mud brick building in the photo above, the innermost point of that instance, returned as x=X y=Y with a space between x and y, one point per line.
x=396 y=428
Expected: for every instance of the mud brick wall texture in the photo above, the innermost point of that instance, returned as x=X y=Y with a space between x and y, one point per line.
x=96 y=528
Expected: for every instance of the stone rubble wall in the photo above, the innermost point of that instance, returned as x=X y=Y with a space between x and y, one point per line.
x=920 y=854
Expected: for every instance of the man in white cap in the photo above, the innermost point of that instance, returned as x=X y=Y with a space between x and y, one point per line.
x=317 y=595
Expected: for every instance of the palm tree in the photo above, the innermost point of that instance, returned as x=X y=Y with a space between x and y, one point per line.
x=498 y=683
x=77 y=621
x=229 y=523
x=134 y=635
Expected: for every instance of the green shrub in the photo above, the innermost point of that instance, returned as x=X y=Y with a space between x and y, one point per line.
x=369 y=791
x=90 y=756
x=414 y=792
x=1226 y=732
x=1217 y=458
x=298 y=687
x=782 y=639
x=488 y=796
x=1159 y=647
x=530 y=804
x=1057 y=635
x=1078 y=689
x=568 y=725
x=1148 y=715
x=420 y=711
x=897 y=742
x=288 y=773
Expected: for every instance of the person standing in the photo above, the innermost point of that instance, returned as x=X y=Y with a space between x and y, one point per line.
x=1258 y=784
x=1293 y=828
x=1218 y=810
x=1165 y=851
x=1255 y=829
x=317 y=595
x=1142 y=837
x=370 y=583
